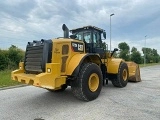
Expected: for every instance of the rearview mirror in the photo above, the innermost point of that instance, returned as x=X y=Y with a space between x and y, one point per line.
x=104 y=35
x=73 y=36
x=115 y=49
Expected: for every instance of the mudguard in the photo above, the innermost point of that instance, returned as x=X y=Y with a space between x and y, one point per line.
x=78 y=59
x=113 y=65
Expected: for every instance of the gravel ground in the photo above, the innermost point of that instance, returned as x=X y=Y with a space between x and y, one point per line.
x=137 y=101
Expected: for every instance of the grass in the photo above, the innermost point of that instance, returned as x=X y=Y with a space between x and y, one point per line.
x=149 y=64
x=5 y=79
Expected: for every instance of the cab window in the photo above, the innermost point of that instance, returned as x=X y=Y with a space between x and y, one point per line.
x=79 y=35
x=96 y=39
x=87 y=37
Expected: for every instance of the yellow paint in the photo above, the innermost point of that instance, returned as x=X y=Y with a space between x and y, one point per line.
x=51 y=80
x=113 y=65
x=73 y=63
x=93 y=82
x=125 y=74
x=57 y=56
x=134 y=72
x=132 y=68
x=76 y=59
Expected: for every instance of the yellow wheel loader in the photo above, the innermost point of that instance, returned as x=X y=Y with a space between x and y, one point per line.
x=79 y=60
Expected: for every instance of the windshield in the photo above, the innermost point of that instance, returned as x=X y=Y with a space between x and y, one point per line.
x=79 y=35
x=84 y=36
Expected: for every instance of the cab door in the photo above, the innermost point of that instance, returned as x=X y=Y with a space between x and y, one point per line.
x=97 y=44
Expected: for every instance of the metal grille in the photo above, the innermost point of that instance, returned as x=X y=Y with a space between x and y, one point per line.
x=33 y=59
x=63 y=67
x=38 y=53
x=65 y=49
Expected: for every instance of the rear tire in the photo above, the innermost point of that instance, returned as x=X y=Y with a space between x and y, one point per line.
x=121 y=79
x=88 y=84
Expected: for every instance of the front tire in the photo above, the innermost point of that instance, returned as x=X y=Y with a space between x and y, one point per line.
x=121 y=79
x=88 y=84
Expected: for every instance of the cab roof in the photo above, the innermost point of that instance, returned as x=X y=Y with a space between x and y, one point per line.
x=89 y=27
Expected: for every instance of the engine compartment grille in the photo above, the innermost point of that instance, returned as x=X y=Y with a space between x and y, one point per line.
x=38 y=53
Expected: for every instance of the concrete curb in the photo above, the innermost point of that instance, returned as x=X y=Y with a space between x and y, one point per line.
x=11 y=87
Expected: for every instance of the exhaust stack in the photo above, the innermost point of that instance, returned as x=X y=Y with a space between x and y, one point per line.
x=65 y=30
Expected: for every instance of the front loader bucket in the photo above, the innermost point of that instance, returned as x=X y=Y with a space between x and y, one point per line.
x=134 y=72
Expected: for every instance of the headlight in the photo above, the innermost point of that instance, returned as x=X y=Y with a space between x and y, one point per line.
x=48 y=70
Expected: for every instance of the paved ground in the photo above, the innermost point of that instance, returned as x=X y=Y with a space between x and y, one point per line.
x=137 y=101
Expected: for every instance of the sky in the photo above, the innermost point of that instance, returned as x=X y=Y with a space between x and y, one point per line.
x=23 y=21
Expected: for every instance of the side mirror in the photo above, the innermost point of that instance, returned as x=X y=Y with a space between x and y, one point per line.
x=73 y=36
x=115 y=49
x=104 y=35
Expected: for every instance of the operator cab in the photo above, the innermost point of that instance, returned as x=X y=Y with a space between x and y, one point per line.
x=91 y=36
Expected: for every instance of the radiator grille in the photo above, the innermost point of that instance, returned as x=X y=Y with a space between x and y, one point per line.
x=37 y=55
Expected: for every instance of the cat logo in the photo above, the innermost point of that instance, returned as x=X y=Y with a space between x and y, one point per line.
x=56 y=50
x=74 y=44
x=80 y=47
x=77 y=47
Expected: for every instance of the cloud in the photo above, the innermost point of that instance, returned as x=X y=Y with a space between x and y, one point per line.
x=17 y=8
x=23 y=20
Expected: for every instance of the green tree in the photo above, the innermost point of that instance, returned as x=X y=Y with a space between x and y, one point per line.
x=155 y=56
x=124 y=51
x=136 y=55
x=3 y=60
x=151 y=55
x=15 y=55
x=134 y=49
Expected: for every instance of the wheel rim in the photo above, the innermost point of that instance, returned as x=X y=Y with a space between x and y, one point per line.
x=124 y=74
x=93 y=82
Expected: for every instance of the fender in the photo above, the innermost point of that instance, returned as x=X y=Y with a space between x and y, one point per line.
x=113 y=65
x=78 y=59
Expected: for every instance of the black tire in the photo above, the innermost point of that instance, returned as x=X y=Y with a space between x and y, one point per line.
x=121 y=79
x=88 y=84
x=63 y=88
